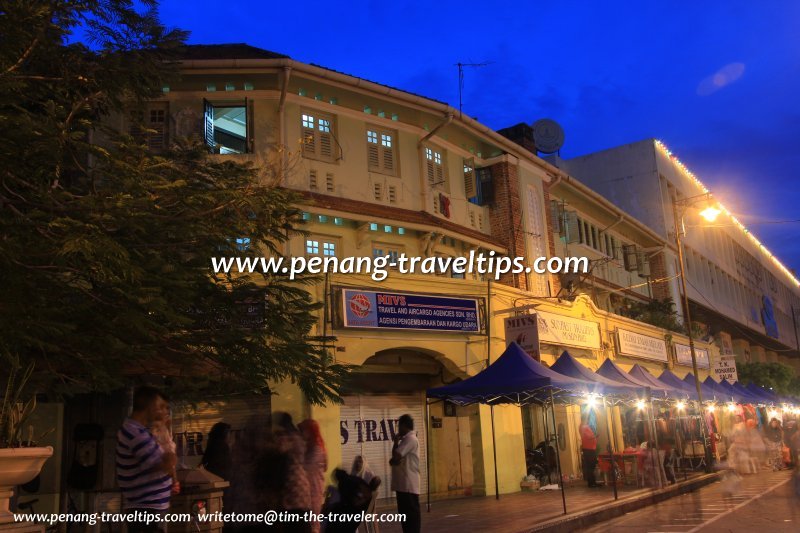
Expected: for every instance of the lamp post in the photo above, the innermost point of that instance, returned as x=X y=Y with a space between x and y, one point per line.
x=710 y=214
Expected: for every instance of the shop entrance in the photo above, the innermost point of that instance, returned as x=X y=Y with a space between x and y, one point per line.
x=393 y=383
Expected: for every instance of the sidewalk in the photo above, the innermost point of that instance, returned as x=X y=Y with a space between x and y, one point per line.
x=540 y=510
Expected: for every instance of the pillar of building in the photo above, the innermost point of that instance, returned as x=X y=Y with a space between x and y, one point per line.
x=741 y=349
x=758 y=354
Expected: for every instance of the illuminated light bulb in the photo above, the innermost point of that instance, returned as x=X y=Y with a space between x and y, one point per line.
x=731 y=407
x=711 y=408
x=680 y=405
x=591 y=401
x=640 y=405
x=710 y=213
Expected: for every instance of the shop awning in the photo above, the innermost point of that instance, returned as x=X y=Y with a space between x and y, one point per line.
x=610 y=370
x=754 y=398
x=514 y=378
x=739 y=396
x=569 y=366
x=674 y=381
x=642 y=374
x=722 y=394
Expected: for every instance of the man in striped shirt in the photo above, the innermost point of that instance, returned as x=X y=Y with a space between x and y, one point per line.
x=143 y=468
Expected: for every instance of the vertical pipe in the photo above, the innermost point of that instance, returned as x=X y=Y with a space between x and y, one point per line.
x=428 y=450
x=546 y=443
x=611 y=451
x=558 y=453
x=494 y=450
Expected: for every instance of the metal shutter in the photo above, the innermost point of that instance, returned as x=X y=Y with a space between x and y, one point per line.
x=190 y=425
x=373 y=413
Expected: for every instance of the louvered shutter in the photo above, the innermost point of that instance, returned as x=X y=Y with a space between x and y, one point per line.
x=557 y=216
x=431 y=169
x=310 y=137
x=325 y=138
x=571 y=222
x=208 y=121
x=388 y=156
x=439 y=173
x=470 y=186
x=373 y=153
x=630 y=257
x=158 y=116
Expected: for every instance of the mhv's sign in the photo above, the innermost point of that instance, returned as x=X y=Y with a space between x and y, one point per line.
x=524 y=330
x=371 y=309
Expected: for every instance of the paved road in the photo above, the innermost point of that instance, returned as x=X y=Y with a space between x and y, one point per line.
x=764 y=503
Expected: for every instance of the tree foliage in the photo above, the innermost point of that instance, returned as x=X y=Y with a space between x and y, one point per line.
x=105 y=247
x=775 y=376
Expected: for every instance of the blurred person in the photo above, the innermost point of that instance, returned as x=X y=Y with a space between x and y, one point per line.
x=144 y=468
x=352 y=496
x=162 y=432
x=739 y=448
x=217 y=456
x=316 y=464
x=295 y=494
x=755 y=446
x=362 y=470
x=773 y=438
x=789 y=432
x=588 y=452
x=405 y=474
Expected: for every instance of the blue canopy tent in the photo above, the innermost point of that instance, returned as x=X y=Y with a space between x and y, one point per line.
x=674 y=381
x=610 y=370
x=755 y=399
x=708 y=393
x=642 y=374
x=721 y=394
x=768 y=396
x=569 y=366
x=514 y=378
x=738 y=396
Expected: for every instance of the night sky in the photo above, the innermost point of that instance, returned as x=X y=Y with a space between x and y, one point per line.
x=718 y=82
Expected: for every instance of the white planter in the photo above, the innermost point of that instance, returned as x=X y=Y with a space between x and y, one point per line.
x=18 y=466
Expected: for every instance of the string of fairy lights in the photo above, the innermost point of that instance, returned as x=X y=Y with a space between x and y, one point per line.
x=689 y=174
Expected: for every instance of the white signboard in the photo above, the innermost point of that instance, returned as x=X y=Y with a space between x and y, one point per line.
x=638 y=345
x=524 y=331
x=725 y=368
x=683 y=355
x=567 y=331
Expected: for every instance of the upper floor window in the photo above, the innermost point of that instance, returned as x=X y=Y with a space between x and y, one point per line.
x=321 y=246
x=227 y=128
x=381 y=150
x=317 y=135
x=435 y=167
x=149 y=127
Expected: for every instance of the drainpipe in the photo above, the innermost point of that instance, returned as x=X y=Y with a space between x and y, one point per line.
x=448 y=119
x=282 y=129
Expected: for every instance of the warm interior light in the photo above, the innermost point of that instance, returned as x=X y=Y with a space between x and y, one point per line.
x=710 y=213
x=773 y=414
x=640 y=405
x=591 y=401
x=731 y=407
x=711 y=408
x=680 y=405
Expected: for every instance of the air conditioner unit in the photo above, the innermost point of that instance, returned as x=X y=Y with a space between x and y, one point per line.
x=630 y=257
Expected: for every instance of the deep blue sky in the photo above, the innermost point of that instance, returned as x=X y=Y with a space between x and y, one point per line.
x=609 y=72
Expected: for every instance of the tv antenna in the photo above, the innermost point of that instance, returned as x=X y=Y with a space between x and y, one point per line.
x=461 y=80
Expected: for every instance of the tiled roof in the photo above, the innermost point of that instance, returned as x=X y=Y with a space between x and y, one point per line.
x=394 y=213
x=227 y=51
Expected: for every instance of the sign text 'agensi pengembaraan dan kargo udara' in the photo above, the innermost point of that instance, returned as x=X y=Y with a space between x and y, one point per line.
x=378 y=267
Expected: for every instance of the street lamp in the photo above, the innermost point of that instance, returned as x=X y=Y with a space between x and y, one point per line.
x=710 y=214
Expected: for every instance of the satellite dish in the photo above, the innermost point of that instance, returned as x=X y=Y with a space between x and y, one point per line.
x=548 y=136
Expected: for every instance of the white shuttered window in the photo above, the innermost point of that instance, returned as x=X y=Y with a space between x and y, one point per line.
x=382 y=150
x=318 y=135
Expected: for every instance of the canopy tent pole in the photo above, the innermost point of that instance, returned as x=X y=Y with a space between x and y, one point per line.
x=611 y=451
x=546 y=442
x=558 y=453
x=428 y=451
x=494 y=450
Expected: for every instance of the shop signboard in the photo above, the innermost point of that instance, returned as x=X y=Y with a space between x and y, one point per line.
x=567 y=331
x=524 y=330
x=725 y=368
x=637 y=345
x=392 y=310
x=683 y=355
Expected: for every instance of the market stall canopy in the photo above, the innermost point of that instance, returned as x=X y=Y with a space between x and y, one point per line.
x=720 y=393
x=768 y=396
x=709 y=393
x=514 y=378
x=737 y=395
x=674 y=381
x=569 y=366
x=610 y=370
x=754 y=398
x=642 y=374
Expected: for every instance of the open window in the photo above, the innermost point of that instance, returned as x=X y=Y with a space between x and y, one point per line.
x=227 y=127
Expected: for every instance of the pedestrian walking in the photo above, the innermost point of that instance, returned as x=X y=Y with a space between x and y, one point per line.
x=773 y=437
x=588 y=452
x=217 y=455
x=405 y=474
x=316 y=464
x=295 y=494
x=144 y=469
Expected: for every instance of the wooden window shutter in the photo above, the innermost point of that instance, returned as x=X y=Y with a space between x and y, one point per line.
x=557 y=216
x=309 y=132
x=470 y=187
x=431 y=171
x=158 y=117
x=325 y=136
x=208 y=123
x=572 y=226
x=387 y=138
x=373 y=154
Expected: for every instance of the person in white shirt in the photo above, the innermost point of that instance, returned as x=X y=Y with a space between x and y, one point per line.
x=405 y=473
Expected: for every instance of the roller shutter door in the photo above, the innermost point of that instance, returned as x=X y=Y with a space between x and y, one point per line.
x=367 y=424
